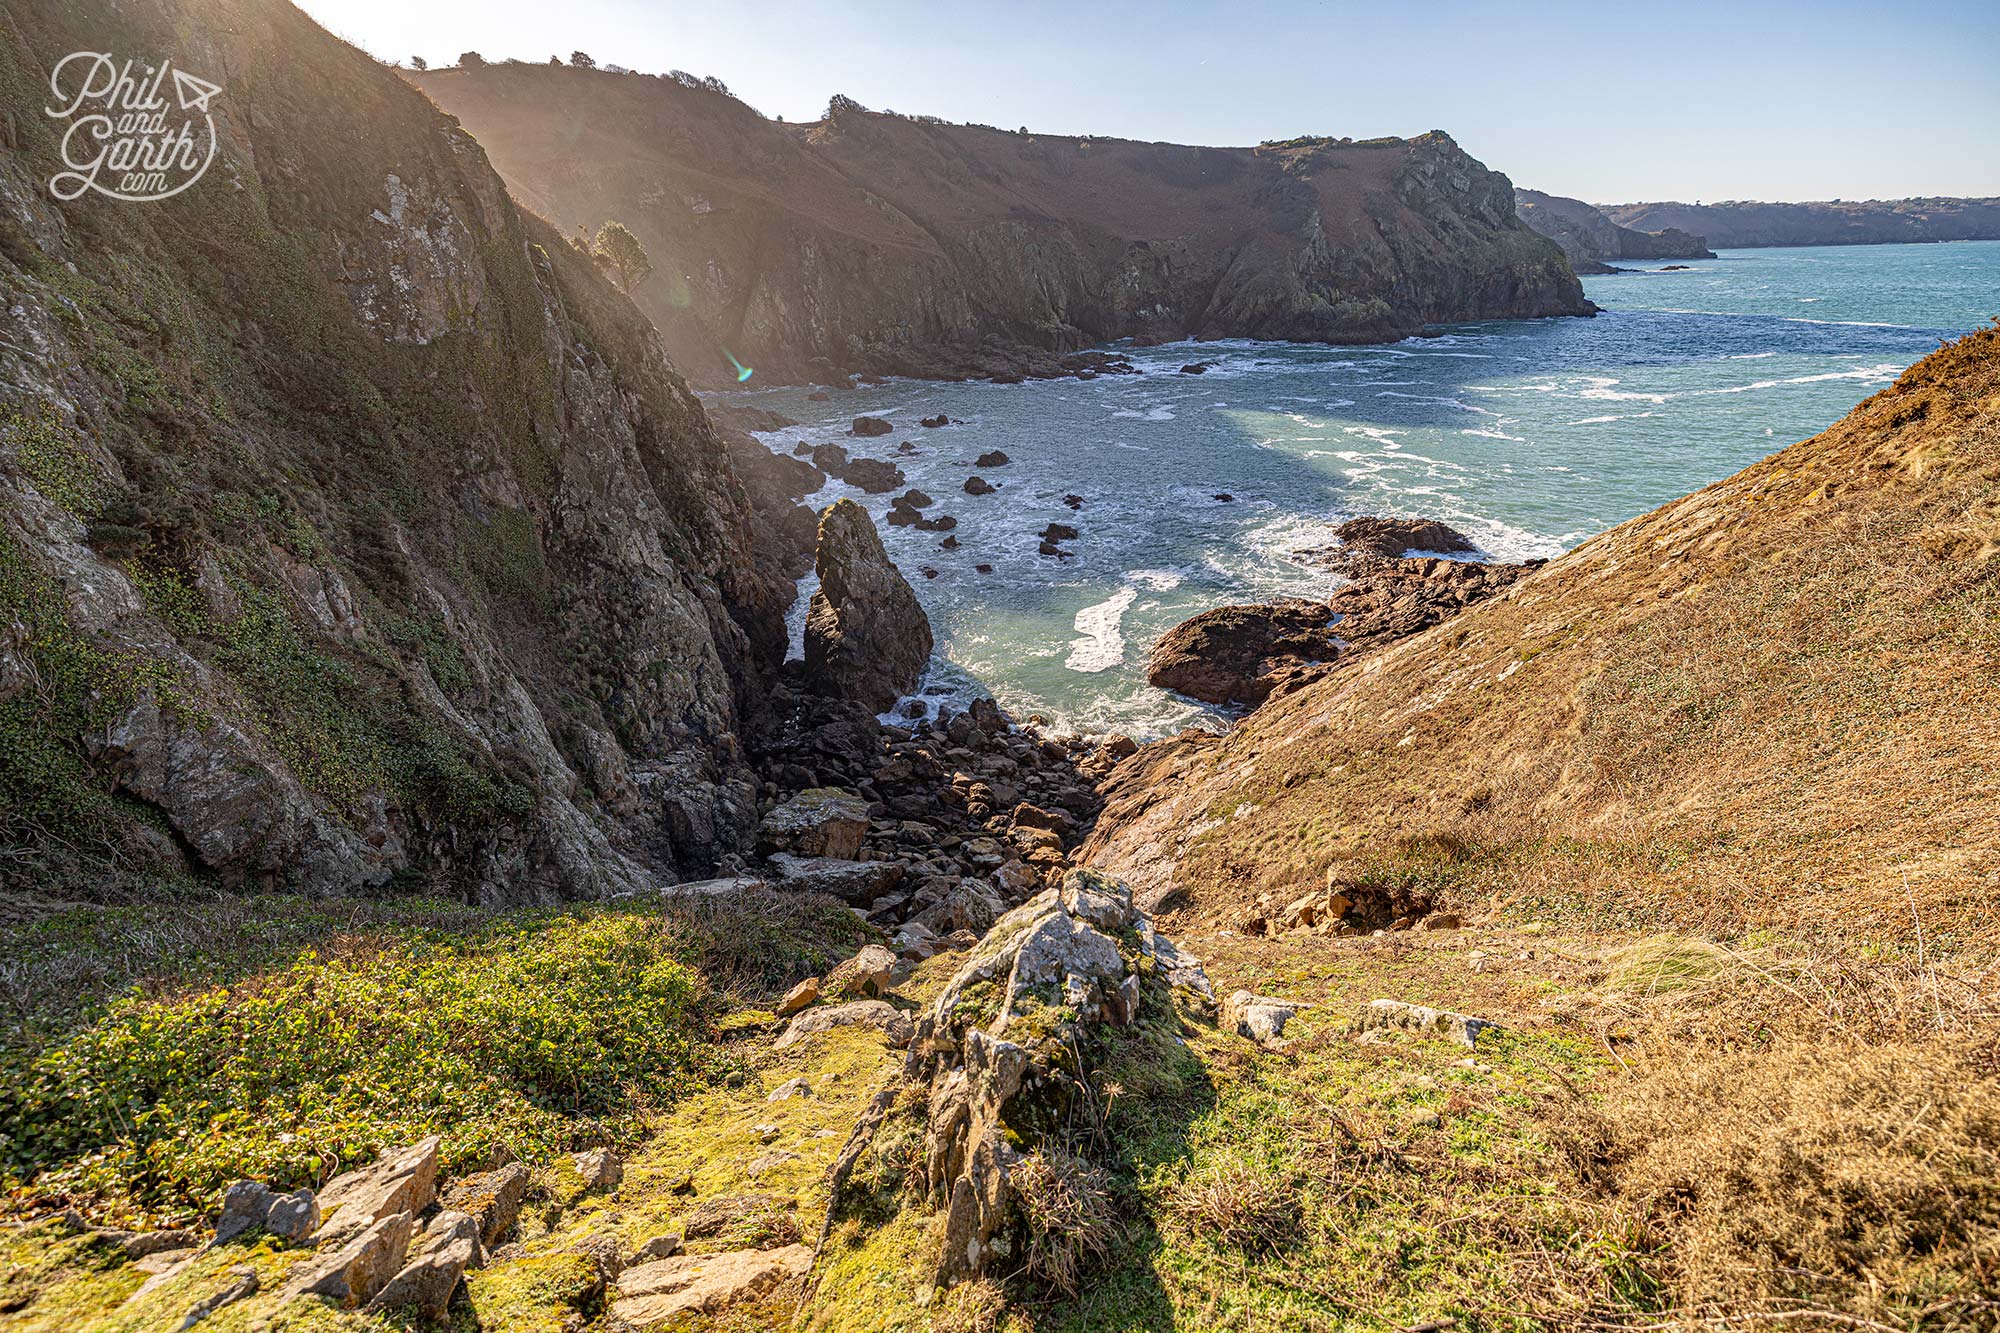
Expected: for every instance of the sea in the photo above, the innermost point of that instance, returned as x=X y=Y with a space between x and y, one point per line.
x=1529 y=436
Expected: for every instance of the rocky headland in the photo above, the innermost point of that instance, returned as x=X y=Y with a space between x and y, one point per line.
x=1589 y=239
x=874 y=242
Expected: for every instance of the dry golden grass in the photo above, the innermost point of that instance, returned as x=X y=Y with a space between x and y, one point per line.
x=1775 y=702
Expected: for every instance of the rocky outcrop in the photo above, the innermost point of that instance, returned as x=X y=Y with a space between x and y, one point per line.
x=1241 y=655
x=876 y=242
x=867 y=638
x=1588 y=238
x=1747 y=223
x=1003 y=1056
x=1372 y=535
x=353 y=526
x=1235 y=655
x=692 y=1285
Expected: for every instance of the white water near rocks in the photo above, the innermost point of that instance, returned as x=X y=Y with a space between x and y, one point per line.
x=1197 y=490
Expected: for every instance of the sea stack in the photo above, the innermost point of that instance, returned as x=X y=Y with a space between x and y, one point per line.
x=867 y=638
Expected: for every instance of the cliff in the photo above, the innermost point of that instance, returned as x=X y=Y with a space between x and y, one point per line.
x=1738 y=710
x=876 y=242
x=1746 y=223
x=1588 y=238
x=353 y=530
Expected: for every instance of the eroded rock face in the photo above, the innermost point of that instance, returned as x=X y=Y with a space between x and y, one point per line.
x=402 y=1180
x=867 y=638
x=491 y=1198
x=448 y=1246
x=485 y=565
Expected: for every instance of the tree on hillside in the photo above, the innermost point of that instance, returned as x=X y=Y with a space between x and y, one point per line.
x=419 y=63
x=620 y=249
x=470 y=60
x=582 y=60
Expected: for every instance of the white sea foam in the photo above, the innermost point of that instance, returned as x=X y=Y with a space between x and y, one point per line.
x=1099 y=645
x=1158 y=412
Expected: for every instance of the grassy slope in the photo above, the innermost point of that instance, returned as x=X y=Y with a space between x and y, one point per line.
x=1775 y=702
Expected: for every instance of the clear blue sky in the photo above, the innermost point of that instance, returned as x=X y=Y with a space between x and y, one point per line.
x=1612 y=104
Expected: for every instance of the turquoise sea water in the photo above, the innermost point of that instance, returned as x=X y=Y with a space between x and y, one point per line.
x=1530 y=436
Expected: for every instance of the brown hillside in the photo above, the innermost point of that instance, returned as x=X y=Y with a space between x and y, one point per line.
x=871 y=241
x=1776 y=701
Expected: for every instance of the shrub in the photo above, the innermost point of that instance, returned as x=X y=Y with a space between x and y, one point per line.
x=1071 y=1216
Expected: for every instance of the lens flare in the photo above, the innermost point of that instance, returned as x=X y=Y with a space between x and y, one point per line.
x=743 y=372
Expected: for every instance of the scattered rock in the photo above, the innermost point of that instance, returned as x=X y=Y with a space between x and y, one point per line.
x=978 y=485
x=449 y=1246
x=993 y=458
x=867 y=426
x=1237 y=654
x=492 y=1199
x=873 y=475
x=704 y=1284
x=868 y=1013
x=790 y=1088
x=1195 y=368
x=1073 y=501
x=866 y=635
x=1224 y=497
x=856 y=882
x=819 y=822
x=357 y=1269
x=864 y=976
x=939 y=420
x=250 y=1205
x=1259 y=1017
x=1382 y=1015
x=659 y=1247
x=799 y=997
x=599 y=1168
x=1059 y=532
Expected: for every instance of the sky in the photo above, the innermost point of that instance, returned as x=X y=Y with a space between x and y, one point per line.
x=1695 y=101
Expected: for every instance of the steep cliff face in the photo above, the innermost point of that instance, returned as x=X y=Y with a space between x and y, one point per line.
x=1749 y=223
x=1588 y=238
x=878 y=242
x=1772 y=702
x=354 y=528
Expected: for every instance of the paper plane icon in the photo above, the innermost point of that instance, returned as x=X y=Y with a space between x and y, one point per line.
x=193 y=92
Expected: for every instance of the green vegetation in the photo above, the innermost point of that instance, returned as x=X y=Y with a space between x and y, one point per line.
x=536 y=1030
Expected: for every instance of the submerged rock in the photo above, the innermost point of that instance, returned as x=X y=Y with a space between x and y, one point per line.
x=867 y=638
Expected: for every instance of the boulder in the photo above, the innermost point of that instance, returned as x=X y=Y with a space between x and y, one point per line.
x=1260 y=1018
x=939 y=420
x=864 y=976
x=877 y=1014
x=867 y=426
x=866 y=635
x=1382 y=1015
x=1236 y=654
x=250 y=1205
x=492 y=1199
x=1393 y=536
x=1195 y=368
x=801 y=996
x=915 y=499
x=688 y=1285
x=856 y=882
x=817 y=822
x=873 y=476
x=448 y=1246
x=353 y=1272
x=978 y=485
x=599 y=1168
x=402 y=1180
x=993 y=458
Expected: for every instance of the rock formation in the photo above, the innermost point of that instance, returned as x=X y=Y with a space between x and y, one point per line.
x=871 y=241
x=866 y=635
x=1588 y=238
